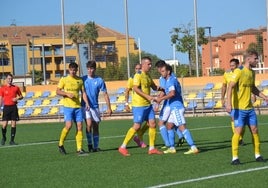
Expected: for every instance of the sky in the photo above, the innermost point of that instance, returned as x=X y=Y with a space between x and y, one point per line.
x=149 y=21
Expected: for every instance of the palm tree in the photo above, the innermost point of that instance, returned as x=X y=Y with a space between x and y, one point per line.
x=90 y=35
x=75 y=35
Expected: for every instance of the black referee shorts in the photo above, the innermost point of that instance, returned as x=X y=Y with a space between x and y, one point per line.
x=10 y=113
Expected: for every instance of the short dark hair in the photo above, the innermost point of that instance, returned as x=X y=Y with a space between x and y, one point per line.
x=168 y=68
x=251 y=52
x=235 y=60
x=146 y=57
x=160 y=63
x=73 y=65
x=9 y=74
x=91 y=64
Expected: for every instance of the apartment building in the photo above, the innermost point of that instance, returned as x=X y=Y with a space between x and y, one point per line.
x=232 y=45
x=39 y=48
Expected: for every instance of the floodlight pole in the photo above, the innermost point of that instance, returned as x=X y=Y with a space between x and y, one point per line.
x=63 y=37
x=33 y=60
x=127 y=38
x=196 y=39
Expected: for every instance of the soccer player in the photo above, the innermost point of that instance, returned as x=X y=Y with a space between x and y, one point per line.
x=174 y=99
x=139 y=138
x=93 y=86
x=9 y=96
x=240 y=88
x=69 y=87
x=165 y=111
x=141 y=107
x=234 y=63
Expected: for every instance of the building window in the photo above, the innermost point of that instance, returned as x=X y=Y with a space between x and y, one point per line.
x=70 y=59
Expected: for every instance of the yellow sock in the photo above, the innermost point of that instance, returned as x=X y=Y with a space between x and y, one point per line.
x=63 y=135
x=131 y=132
x=235 y=141
x=79 y=138
x=152 y=134
x=232 y=124
x=142 y=130
x=256 y=143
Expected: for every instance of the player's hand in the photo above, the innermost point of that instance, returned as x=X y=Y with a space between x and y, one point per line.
x=228 y=108
x=109 y=112
x=127 y=108
x=70 y=95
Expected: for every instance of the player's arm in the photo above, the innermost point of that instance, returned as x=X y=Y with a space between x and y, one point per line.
x=107 y=100
x=144 y=95
x=127 y=90
x=85 y=99
x=223 y=93
x=170 y=95
x=230 y=88
x=257 y=92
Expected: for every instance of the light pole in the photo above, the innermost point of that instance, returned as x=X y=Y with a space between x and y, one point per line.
x=2 y=51
x=32 y=60
x=127 y=40
x=196 y=39
x=63 y=37
x=210 y=50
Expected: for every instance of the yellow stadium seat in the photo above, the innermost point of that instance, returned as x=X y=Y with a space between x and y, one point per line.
x=217 y=86
x=121 y=98
x=37 y=111
x=257 y=83
x=265 y=91
x=257 y=103
x=29 y=103
x=209 y=95
x=191 y=95
x=61 y=101
x=113 y=107
x=218 y=104
x=46 y=102
x=37 y=94
x=53 y=94
x=54 y=111
x=21 y=111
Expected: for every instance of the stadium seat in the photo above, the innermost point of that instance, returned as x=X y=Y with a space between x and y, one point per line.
x=113 y=99
x=29 y=103
x=46 y=102
x=103 y=108
x=21 y=111
x=29 y=94
x=53 y=111
x=37 y=102
x=120 y=108
x=21 y=103
x=45 y=110
x=209 y=95
x=257 y=83
x=45 y=94
x=36 y=111
x=210 y=104
x=265 y=91
x=208 y=86
x=218 y=104
x=28 y=112
x=61 y=101
x=191 y=95
x=264 y=83
x=53 y=94
x=54 y=101
x=61 y=111
x=192 y=105
x=37 y=94
x=120 y=91
x=217 y=86
x=257 y=103
x=113 y=107
x=121 y=98
x=200 y=95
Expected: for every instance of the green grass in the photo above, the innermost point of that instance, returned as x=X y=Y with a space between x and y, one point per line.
x=36 y=162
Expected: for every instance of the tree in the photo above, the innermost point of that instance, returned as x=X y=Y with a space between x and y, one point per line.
x=90 y=35
x=258 y=46
x=75 y=35
x=184 y=39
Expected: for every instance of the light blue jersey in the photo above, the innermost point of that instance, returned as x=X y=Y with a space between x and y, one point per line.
x=173 y=84
x=93 y=86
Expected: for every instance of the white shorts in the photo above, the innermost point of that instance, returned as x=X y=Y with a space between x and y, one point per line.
x=93 y=114
x=164 y=113
x=177 y=117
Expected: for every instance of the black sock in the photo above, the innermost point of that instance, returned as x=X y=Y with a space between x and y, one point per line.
x=13 y=133
x=4 y=131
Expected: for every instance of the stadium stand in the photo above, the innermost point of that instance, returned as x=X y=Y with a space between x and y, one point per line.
x=28 y=112
x=200 y=95
x=21 y=103
x=21 y=111
x=218 y=104
x=45 y=110
x=53 y=111
x=103 y=108
x=46 y=102
x=113 y=107
x=120 y=108
x=61 y=111
x=53 y=94
x=209 y=95
x=191 y=95
x=54 y=101
x=29 y=103
x=210 y=104
x=121 y=98
x=192 y=105
x=217 y=86
x=37 y=94
x=264 y=83
x=120 y=91
x=113 y=99
x=36 y=111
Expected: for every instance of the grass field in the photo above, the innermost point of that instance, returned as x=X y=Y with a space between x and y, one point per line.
x=36 y=162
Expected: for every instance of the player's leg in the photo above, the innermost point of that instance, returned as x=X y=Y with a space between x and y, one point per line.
x=79 y=133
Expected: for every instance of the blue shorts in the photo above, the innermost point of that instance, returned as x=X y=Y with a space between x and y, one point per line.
x=245 y=117
x=141 y=114
x=73 y=114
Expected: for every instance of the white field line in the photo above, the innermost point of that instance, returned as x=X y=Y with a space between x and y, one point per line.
x=209 y=177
